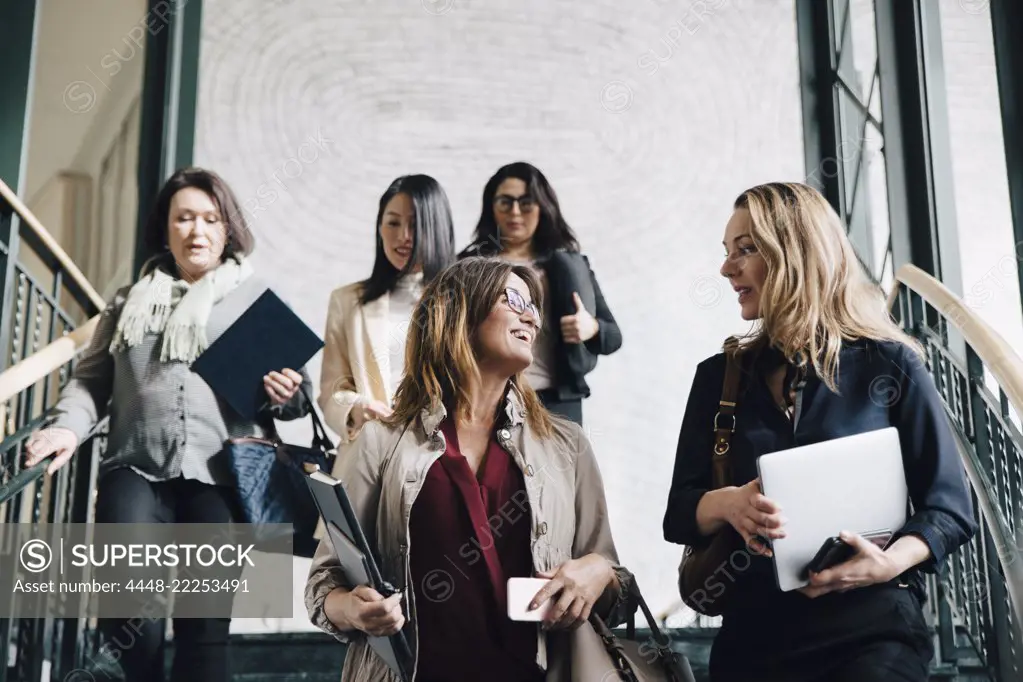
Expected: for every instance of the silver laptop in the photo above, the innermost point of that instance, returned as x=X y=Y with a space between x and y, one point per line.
x=854 y=483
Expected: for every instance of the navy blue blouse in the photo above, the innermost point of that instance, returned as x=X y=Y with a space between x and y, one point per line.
x=880 y=384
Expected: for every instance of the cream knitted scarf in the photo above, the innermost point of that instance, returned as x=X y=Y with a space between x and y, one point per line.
x=160 y=303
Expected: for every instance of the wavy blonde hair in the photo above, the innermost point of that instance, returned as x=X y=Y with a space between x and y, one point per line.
x=817 y=292
x=441 y=348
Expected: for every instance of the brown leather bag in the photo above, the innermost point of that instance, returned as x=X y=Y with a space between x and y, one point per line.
x=706 y=573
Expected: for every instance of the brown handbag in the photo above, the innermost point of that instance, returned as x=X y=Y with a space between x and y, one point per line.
x=706 y=573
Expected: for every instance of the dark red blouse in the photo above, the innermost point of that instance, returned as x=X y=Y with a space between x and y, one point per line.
x=469 y=534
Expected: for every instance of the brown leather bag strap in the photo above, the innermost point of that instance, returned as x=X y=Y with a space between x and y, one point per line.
x=724 y=420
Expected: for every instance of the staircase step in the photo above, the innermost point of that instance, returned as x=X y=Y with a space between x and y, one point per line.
x=279 y=657
x=317 y=657
x=694 y=644
x=282 y=657
x=312 y=653
x=288 y=677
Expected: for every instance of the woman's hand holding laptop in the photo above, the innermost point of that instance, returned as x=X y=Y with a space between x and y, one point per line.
x=755 y=517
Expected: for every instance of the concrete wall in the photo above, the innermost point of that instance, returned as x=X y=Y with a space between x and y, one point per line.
x=649 y=118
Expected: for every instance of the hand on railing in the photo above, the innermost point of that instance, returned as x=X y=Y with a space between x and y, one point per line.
x=48 y=441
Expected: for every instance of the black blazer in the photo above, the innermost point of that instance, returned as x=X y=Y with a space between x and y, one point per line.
x=568 y=272
x=880 y=384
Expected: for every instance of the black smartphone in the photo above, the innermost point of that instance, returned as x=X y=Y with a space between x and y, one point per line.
x=833 y=552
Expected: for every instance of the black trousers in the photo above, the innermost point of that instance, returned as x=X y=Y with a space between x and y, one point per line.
x=569 y=409
x=878 y=635
x=200 y=644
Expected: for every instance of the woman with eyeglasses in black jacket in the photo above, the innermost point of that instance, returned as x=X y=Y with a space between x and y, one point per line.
x=521 y=222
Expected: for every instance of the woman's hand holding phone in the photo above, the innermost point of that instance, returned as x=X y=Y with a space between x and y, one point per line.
x=868 y=565
x=833 y=552
x=520 y=596
x=565 y=596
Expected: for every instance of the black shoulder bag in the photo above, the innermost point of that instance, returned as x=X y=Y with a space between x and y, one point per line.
x=270 y=479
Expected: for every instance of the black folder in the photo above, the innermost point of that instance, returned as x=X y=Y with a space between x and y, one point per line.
x=356 y=559
x=267 y=337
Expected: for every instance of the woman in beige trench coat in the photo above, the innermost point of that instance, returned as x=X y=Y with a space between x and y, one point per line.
x=468 y=483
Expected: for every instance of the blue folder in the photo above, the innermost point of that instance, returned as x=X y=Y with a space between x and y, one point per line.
x=267 y=337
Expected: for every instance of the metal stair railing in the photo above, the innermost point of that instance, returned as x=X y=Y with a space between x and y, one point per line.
x=978 y=603
x=49 y=312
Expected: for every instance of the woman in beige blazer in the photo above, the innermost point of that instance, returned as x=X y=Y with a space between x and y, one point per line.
x=367 y=321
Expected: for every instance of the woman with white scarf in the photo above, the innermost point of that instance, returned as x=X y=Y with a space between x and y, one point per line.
x=164 y=461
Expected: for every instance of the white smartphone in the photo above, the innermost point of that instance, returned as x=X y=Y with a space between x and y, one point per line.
x=520 y=592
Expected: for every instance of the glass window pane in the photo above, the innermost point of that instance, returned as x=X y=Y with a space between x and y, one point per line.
x=877 y=189
x=875 y=100
x=851 y=145
x=864 y=42
x=888 y=276
x=858 y=56
x=986 y=249
x=840 y=9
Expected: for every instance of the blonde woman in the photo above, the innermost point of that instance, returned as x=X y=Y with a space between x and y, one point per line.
x=824 y=361
x=468 y=483
x=367 y=321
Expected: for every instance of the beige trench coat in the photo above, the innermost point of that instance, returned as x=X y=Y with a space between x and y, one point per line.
x=383 y=473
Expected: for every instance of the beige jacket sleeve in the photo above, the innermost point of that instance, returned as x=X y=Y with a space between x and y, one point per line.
x=360 y=468
x=593 y=533
x=338 y=394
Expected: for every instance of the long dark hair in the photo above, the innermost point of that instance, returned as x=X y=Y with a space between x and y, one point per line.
x=433 y=235
x=552 y=233
x=240 y=240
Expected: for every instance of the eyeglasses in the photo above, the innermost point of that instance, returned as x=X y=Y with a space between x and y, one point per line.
x=518 y=305
x=504 y=203
x=741 y=254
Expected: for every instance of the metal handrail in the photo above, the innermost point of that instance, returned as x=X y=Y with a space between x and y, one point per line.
x=1007 y=369
x=46 y=360
x=44 y=236
x=1011 y=566
x=20 y=379
x=22 y=376
x=998 y=356
x=38 y=281
x=980 y=599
